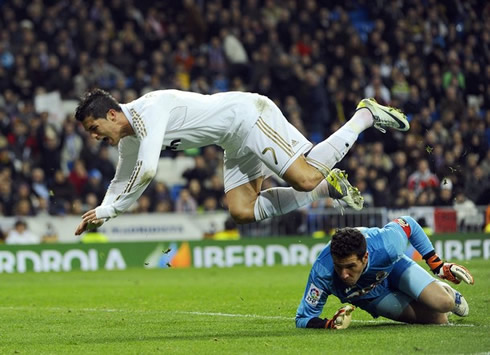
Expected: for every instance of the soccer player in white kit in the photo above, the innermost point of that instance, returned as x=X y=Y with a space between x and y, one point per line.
x=254 y=134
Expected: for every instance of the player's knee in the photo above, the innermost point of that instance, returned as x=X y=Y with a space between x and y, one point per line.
x=242 y=215
x=304 y=184
x=442 y=302
x=445 y=303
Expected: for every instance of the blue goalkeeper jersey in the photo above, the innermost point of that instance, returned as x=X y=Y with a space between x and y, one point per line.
x=385 y=247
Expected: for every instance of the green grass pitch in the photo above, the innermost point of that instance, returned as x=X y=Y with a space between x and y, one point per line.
x=201 y=311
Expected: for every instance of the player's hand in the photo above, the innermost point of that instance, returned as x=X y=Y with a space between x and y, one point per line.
x=81 y=228
x=341 y=319
x=89 y=221
x=448 y=271
x=455 y=273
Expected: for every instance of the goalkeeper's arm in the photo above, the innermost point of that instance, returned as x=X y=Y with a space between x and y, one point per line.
x=417 y=237
x=448 y=271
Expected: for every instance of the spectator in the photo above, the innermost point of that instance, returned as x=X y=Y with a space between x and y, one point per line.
x=216 y=188
x=62 y=194
x=230 y=231
x=143 y=204
x=139 y=47
x=316 y=104
x=163 y=206
x=25 y=193
x=39 y=184
x=235 y=54
x=210 y=204
x=23 y=208
x=451 y=103
x=94 y=185
x=7 y=196
x=378 y=158
x=78 y=177
x=445 y=193
x=6 y=161
x=105 y=75
x=20 y=234
x=466 y=212
x=50 y=151
x=71 y=146
x=196 y=192
x=423 y=178
x=185 y=202
x=160 y=194
x=105 y=165
x=477 y=186
x=454 y=75
x=200 y=171
x=90 y=201
x=380 y=197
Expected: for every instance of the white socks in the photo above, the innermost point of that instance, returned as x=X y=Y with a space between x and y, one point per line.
x=281 y=200
x=325 y=155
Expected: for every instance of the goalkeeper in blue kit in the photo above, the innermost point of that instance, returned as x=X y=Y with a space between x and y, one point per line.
x=367 y=268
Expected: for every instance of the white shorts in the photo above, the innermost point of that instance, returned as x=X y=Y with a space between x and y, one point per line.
x=271 y=146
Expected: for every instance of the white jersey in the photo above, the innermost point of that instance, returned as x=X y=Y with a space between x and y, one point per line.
x=178 y=120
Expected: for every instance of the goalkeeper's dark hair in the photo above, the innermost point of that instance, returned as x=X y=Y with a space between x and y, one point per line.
x=346 y=242
x=96 y=103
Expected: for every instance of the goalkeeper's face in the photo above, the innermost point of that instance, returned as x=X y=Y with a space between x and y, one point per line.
x=350 y=268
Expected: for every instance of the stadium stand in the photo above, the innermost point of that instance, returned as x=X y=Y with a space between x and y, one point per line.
x=315 y=59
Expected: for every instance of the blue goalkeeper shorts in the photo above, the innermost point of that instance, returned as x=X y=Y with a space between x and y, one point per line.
x=405 y=284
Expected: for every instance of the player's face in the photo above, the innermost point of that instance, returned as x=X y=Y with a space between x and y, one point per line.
x=350 y=268
x=103 y=129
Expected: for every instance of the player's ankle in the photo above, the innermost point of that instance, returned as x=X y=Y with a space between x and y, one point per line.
x=362 y=120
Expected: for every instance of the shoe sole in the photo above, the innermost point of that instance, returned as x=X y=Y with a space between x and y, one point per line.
x=374 y=107
x=353 y=198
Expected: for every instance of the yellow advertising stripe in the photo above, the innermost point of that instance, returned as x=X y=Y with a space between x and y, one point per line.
x=287 y=149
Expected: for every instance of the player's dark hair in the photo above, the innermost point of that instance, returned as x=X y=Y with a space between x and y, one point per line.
x=96 y=103
x=346 y=242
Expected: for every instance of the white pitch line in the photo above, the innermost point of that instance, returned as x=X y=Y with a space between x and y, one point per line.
x=218 y=314
x=198 y=313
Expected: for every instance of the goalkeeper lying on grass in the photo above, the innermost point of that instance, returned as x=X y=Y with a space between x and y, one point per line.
x=367 y=268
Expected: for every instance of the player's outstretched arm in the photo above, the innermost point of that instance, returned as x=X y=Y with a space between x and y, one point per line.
x=153 y=119
x=448 y=271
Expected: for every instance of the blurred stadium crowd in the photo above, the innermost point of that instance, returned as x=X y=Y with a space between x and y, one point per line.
x=316 y=59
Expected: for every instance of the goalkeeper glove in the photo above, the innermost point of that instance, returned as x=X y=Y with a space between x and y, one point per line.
x=448 y=271
x=341 y=319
